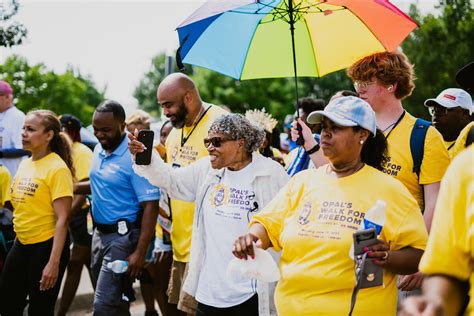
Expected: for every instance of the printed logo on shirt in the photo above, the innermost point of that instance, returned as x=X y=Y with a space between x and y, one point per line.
x=303 y=217
x=340 y=212
x=174 y=153
x=219 y=195
x=25 y=187
x=231 y=202
x=391 y=168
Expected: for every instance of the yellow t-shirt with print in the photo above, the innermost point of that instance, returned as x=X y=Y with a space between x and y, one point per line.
x=461 y=141
x=36 y=185
x=450 y=249
x=181 y=156
x=400 y=164
x=5 y=183
x=312 y=220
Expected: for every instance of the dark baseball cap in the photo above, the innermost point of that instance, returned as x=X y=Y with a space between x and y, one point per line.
x=70 y=121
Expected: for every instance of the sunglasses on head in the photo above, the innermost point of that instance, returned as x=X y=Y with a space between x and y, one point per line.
x=215 y=141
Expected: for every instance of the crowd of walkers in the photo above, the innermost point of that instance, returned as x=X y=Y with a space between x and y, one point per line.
x=220 y=184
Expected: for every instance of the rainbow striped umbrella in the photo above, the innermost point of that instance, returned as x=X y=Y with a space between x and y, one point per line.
x=250 y=39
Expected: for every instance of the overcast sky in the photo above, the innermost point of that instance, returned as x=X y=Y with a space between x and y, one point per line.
x=113 y=41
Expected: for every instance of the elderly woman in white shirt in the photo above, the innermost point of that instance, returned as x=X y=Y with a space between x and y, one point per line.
x=229 y=186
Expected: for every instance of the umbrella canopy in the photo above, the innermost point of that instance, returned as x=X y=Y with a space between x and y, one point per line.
x=248 y=39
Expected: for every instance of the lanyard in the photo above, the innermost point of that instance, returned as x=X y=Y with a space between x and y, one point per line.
x=395 y=125
x=185 y=139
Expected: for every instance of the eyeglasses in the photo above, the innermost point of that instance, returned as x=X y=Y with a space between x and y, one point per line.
x=362 y=84
x=438 y=110
x=215 y=141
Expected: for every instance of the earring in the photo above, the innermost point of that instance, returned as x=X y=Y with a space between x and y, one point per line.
x=361 y=142
x=390 y=87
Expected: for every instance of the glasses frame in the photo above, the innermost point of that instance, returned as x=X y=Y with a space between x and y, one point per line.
x=216 y=141
x=441 y=110
x=362 y=84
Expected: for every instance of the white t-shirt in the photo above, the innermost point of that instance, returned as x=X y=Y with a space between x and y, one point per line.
x=11 y=128
x=227 y=209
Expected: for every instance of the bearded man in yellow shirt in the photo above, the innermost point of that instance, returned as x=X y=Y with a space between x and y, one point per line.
x=384 y=80
x=191 y=118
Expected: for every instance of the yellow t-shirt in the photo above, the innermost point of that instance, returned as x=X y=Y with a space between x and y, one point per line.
x=5 y=183
x=449 y=146
x=36 y=185
x=81 y=158
x=400 y=164
x=312 y=220
x=181 y=156
x=461 y=141
x=450 y=249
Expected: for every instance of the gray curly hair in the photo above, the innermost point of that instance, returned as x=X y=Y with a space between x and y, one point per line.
x=236 y=126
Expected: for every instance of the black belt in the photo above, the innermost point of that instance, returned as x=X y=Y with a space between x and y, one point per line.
x=122 y=227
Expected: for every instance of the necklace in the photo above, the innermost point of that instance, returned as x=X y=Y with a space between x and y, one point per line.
x=339 y=173
x=393 y=125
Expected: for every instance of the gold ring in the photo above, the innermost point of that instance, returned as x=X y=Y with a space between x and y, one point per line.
x=385 y=257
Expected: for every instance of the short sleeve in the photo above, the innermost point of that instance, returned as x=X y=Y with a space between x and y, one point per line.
x=5 y=182
x=60 y=183
x=274 y=214
x=449 y=247
x=83 y=163
x=435 y=158
x=143 y=189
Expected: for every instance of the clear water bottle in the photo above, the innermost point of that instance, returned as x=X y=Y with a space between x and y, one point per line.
x=118 y=266
x=375 y=216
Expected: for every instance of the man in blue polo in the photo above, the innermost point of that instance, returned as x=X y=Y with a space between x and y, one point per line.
x=124 y=209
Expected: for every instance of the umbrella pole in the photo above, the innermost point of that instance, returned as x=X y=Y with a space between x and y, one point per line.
x=300 y=140
x=292 y=30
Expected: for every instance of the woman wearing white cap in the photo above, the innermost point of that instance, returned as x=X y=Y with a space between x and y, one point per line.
x=313 y=218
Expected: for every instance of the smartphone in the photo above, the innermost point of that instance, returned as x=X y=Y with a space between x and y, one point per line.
x=145 y=136
x=372 y=274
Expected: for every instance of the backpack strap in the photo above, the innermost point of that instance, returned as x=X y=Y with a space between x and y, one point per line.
x=417 y=143
x=470 y=137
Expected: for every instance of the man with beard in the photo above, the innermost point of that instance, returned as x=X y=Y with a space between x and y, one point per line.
x=451 y=111
x=191 y=118
x=124 y=211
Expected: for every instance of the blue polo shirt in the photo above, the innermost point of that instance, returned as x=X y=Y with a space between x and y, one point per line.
x=116 y=189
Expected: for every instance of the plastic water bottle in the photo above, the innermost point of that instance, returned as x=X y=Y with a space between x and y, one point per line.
x=118 y=266
x=375 y=216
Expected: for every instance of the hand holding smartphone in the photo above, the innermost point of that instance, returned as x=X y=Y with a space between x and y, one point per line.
x=146 y=138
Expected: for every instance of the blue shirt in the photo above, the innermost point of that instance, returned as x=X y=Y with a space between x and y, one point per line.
x=116 y=189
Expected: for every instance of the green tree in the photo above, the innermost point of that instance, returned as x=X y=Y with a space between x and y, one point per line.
x=438 y=48
x=36 y=87
x=145 y=92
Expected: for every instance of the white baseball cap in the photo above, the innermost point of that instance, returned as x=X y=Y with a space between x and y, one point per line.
x=347 y=111
x=452 y=98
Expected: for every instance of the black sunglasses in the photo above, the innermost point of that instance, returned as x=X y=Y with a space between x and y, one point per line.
x=215 y=141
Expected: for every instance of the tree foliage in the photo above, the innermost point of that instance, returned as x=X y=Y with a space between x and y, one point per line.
x=145 y=92
x=438 y=48
x=15 y=33
x=36 y=87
